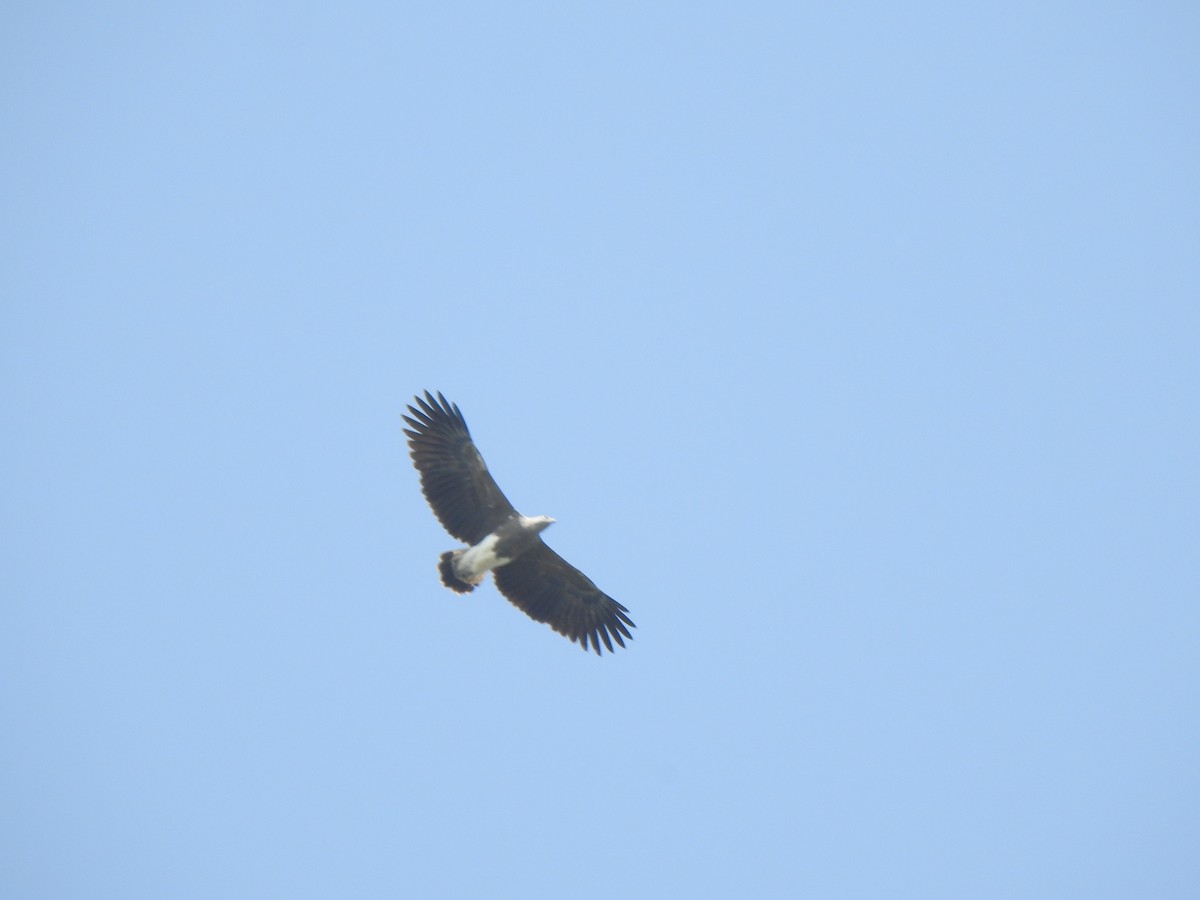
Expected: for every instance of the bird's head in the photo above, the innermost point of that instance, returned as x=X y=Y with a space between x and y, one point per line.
x=536 y=523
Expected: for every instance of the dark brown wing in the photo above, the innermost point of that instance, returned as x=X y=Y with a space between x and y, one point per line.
x=454 y=478
x=549 y=589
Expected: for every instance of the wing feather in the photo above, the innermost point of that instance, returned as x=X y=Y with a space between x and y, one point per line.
x=454 y=478
x=548 y=589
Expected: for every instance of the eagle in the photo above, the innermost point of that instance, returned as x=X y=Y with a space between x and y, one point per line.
x=472 y=508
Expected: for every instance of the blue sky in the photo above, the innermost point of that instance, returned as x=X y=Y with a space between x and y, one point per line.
x=854 y=348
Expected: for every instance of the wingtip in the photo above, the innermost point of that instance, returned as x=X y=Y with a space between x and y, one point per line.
x=431 y=407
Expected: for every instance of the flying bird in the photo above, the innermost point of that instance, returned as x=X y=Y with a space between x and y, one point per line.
x=468 y=503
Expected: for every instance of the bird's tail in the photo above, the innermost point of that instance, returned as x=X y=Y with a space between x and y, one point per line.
x=449 y=578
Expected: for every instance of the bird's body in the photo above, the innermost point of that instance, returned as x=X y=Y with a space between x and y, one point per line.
x=500 y=540
x=463 y=569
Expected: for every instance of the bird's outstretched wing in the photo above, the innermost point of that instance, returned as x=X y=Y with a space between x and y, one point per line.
x=454 y=477
x=549 y=589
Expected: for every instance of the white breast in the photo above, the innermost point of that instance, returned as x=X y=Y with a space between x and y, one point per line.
x=479 y=559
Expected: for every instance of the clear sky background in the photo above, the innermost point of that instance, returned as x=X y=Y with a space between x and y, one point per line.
x=854 y=347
